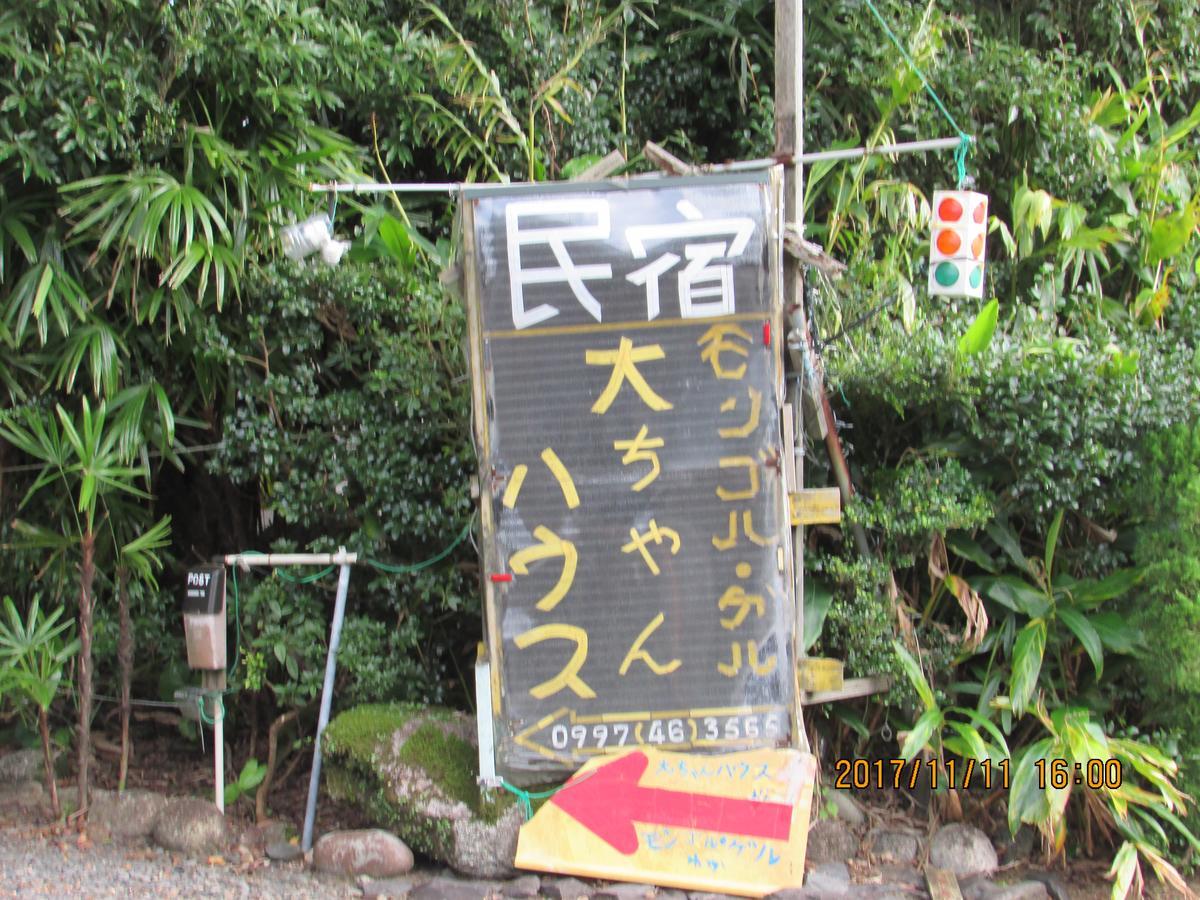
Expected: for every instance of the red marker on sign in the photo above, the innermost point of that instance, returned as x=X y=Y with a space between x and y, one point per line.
x=502 y=576
x=608 y=800
x=766 y=334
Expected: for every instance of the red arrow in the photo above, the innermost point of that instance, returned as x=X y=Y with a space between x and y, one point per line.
x=608 y=800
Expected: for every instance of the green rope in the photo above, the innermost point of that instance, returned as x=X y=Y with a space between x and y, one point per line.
x=964 y=139
x=424 y=564
x=204 y=717
x=317 y=576
x=305 y=579
x=526 y=798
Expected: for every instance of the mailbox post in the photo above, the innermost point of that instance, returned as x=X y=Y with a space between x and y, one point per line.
x=204 y=625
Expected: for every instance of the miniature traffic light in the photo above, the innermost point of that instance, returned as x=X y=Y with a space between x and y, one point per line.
x=956 y=248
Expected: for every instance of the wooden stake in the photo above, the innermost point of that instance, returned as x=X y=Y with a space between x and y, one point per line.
x=789 y=143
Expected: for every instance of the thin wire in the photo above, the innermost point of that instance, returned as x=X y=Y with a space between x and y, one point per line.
x=159 y=704
x=964 y=139
x=424 y=564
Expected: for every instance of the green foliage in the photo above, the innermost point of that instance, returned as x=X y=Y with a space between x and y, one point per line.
x=283 y=640
x=1167 y=604
x=348 y=421
x=34 y=652
x=252 y=775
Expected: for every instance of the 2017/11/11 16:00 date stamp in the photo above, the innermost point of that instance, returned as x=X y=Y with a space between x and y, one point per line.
x=883 y=774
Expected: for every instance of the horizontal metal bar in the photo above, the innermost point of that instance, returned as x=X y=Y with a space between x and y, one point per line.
x=881 y=150
x=341 y=558
x=740 y=166
x=828 y=155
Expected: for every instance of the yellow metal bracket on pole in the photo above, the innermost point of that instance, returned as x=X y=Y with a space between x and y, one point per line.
x=816 y=506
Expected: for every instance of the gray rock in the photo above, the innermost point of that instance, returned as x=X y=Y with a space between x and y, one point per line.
x=624 y=892
x=190 y=825
x=831 y=841
x=22 y=765
x=897 y=844
x=257 y=838
x=22 y=794
x=127 y=816
x=443 y=888
x=832 y=877
x=525 y=886
x=975 y=887
x=807 y=893
x=397 y=888
x=1053 y=884
x=566 y=889
x=902 y=876
x=1019 y=846
x=415 y=771
x=963 y=849
x=1022 y=890
x=284 y=851
x=370 y=851
x=848 y=809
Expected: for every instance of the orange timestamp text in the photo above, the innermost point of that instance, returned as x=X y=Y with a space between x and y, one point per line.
x=894 y=774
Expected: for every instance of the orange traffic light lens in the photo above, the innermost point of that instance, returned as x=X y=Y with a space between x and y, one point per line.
x=950 y=210
x=977 y=246
x=948 y=242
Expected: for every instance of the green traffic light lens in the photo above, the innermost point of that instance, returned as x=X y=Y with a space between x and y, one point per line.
x=946 y=274
x=976 y=278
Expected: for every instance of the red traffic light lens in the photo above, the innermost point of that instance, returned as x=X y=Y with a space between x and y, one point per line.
x=950 y=210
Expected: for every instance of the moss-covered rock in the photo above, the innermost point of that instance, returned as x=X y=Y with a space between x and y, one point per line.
x=413 y=769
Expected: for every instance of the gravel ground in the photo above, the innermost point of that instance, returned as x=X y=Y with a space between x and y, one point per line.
x=32 y=865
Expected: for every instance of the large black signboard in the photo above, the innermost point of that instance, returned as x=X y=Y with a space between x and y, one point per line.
x=625 y=347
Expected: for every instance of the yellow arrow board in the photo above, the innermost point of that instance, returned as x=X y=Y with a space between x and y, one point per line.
x=736 y=822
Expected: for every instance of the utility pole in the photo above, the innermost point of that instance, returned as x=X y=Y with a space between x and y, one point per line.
x=789 y=145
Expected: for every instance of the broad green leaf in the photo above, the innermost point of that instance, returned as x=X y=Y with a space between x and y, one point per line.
x=1092 y=593
x=1052 y=544
x=1026 y=801
x=817 y=600
x=1027 y=663
x=397 y=241
x=968 y=548
x=1000 y=532
x=1115 y=633
x=929 y=722
x=1082 y=628
x=972 y=740
x=1123 y=871
x=979 y=335
x=1013 y=593
x=1169 y=235
x=915 y=676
